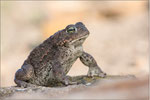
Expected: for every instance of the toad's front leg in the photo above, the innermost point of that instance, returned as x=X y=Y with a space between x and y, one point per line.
x=94 y=69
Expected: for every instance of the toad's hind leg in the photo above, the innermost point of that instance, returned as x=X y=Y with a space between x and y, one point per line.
x=94 y=69
x=23 y=75
x=60 y=75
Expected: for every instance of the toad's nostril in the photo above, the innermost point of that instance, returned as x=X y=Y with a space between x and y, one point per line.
x=80 y=39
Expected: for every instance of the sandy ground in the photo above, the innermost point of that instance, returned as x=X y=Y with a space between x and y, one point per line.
x=111 y=87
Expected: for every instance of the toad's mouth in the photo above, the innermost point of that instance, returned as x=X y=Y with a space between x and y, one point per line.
x=79 y=39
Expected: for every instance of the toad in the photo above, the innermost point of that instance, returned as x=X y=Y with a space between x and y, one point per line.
x=51 y=60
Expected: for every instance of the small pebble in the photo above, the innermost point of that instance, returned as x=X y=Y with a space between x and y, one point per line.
x=88 y=84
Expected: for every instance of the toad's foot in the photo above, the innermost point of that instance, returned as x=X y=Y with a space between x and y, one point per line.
x=24 y=84
x=96 y=71
x=67 y=81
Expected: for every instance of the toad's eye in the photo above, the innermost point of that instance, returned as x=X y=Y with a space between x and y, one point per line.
x=71 y=29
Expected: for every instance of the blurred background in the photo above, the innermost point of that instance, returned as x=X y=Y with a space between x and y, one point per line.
x=118 y=39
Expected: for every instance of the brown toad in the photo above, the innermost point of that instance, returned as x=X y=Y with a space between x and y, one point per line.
x=51 y=60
